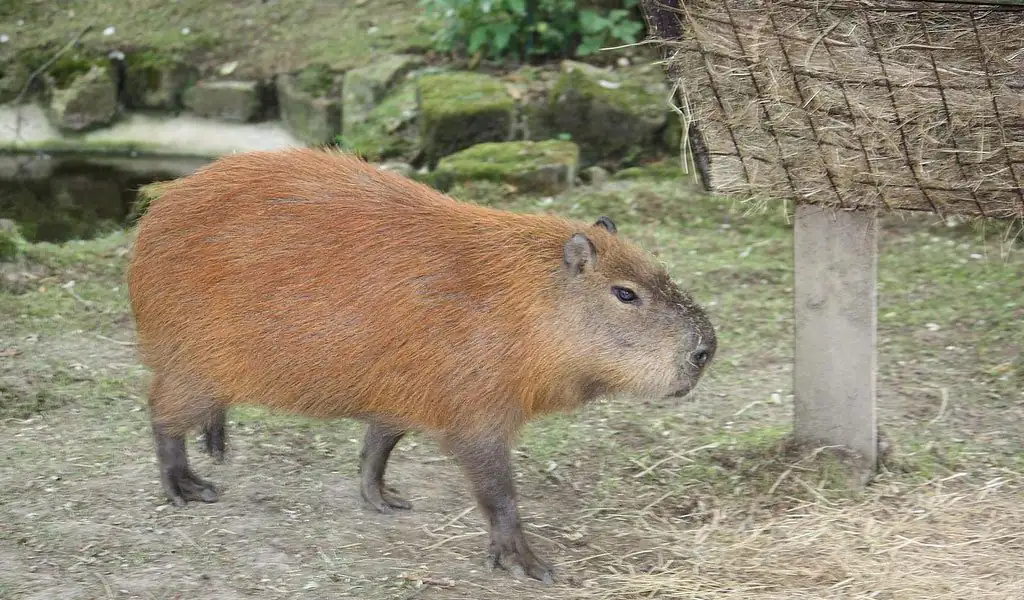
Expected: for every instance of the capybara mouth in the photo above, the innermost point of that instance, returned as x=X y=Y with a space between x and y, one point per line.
x=682 y=392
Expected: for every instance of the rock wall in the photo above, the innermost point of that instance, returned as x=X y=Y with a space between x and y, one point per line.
x=570 y=116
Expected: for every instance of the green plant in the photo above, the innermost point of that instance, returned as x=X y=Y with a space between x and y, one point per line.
x=541 y=28
x=618 y=25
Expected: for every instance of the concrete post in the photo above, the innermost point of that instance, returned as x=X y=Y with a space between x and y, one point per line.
x=835 y=262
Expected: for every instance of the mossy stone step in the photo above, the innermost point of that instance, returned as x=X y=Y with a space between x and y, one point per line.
x=612 y=115
x=89 y=101
x=312 y=115
x=459 y=110
x=366 y=87
x=231 y=101
x=546 y=167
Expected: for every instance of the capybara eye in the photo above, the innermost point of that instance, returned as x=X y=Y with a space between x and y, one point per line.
x=624 y=294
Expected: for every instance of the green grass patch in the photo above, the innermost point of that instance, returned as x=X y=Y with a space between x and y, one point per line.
x=265 y=38
x=739 y=266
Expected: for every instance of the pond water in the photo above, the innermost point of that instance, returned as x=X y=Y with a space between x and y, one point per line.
x=67 y=197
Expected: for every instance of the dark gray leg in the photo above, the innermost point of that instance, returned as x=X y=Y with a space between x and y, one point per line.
x=488 y=465
x=179 y=481
x=380 y=440
x=215 y=434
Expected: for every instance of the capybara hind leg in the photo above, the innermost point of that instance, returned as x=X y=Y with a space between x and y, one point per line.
x=180 y=483
x=380 y=440
x=175 y=408
x=215 y=434
x=488 y=465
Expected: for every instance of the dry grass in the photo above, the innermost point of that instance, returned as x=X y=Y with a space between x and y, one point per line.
x=896 y=104
x=930 y=541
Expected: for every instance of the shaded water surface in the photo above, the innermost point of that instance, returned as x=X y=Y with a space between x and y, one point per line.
x=61 y=198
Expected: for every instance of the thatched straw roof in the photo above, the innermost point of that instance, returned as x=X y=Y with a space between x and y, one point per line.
x=902 y=104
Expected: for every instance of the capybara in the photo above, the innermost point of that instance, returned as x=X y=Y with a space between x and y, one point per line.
x=308 y=280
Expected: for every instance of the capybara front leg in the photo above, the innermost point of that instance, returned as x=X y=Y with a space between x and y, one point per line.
x=380 y=440
x=215 y=434
x=488 y=465
x=179 y=481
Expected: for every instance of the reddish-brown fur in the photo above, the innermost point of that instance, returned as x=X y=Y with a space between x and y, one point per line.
x=310 y=281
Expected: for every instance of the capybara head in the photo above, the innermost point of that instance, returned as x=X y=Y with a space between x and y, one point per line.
x=643 y=334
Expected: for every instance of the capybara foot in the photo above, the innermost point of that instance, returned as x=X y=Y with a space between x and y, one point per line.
x=185 y=486
x=378 y=443
x=384 y=498
x=179 y=482
x=512 y=554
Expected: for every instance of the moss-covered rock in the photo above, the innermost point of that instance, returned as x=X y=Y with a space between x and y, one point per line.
x=311 y=108
x=612 y=115
x=530 y=86
x=390 y=131
x=595 y=175
x=403 y=169
x=156 y=81
x=317 y=81
x=68 y=66
x=546 y=167
x=82 y=102
x=366 y=87
x=11 y=242
x=459 y=110
x=658 y=170
x=233 y=101
x=13 y=78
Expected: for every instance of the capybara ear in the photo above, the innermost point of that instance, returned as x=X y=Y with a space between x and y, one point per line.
x=607 y=223
x=578 y=252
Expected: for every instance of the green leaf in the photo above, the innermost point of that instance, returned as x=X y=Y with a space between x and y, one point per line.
x=517 y=7
x=477 y=39
x=500 y=27
x=591 y=22
x=502 y=33
x=590 y=45
x=627 y=31
x=553 y=36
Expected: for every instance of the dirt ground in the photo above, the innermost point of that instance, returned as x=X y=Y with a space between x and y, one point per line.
x=628 y=498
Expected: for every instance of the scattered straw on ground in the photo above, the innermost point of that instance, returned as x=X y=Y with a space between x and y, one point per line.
x=925 y=543
x=896 y=103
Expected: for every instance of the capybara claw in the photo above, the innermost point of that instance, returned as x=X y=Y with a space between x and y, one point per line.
x=385 y=499
x=191 y=488
x=208 y=494
x=521 y=565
